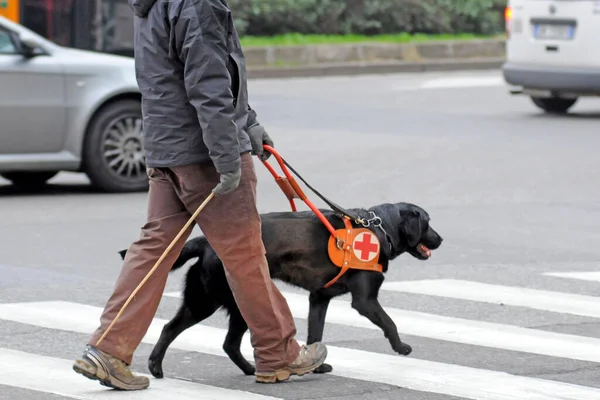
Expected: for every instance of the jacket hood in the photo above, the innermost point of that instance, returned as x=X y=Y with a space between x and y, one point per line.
x=141 y=7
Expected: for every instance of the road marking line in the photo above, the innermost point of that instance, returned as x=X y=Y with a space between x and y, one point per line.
x=463 y=82
x=593 y=276
x=410 y=373
x=56 y=375
x=565 y=303
x=465 y=331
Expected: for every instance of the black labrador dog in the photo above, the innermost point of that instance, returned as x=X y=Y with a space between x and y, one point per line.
x=296 y=244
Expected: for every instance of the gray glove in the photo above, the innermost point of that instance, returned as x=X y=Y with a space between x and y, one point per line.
x=229 y=182
x=259 y=137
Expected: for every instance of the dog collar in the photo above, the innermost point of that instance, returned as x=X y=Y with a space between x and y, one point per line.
x=376 y=222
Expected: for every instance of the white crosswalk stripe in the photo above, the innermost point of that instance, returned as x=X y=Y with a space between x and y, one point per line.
x=459 y=330
x=593 y=276
x=450 y=82
x=543 y=300
x=54 y=375
x=463 y=82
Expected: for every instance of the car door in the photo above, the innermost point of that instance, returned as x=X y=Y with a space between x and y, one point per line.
x=33 y=108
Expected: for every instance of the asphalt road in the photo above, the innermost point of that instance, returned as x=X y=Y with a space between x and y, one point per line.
x=513 y=192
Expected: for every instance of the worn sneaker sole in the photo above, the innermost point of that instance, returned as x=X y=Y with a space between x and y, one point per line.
x=90 y=372
x=284 y=374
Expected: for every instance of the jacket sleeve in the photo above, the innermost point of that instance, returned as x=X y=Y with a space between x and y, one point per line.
x=252 y=120
x=201 y=34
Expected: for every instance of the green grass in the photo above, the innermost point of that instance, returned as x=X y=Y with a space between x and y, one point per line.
x=294 y=39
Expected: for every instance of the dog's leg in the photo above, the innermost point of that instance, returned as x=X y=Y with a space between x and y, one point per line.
x=365 y=288
x=180 y=322
x=316 y=323
x=233 y=341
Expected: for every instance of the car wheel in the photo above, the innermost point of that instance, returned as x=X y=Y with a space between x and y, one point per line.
x=554 y=105
x=29 y=179
x=113 y=152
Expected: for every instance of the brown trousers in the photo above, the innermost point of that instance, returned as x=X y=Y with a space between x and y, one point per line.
x=232 y=225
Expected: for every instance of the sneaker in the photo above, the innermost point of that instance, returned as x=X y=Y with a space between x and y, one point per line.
x=108 y=370
x=310 y=358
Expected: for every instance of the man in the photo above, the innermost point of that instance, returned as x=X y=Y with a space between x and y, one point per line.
x=199 y=132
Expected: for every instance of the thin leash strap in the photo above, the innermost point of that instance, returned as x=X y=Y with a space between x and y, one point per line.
x=334 y=207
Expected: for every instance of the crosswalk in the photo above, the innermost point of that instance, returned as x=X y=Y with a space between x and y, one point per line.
x=53 y=375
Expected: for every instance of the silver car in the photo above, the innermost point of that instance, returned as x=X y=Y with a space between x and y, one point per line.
x=64 y=109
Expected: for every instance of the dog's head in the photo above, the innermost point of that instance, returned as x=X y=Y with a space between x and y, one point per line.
x=413 y=233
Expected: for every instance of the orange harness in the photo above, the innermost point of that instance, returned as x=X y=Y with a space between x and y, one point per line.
x=348 y=248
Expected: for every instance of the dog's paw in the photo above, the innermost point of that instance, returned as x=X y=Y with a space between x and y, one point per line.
x=323 y=369
x=404 y=349
x=155 y=369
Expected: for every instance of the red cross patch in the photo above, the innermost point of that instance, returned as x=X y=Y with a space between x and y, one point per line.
x=365 y=246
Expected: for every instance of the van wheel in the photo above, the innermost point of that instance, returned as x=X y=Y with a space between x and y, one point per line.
x=113 y=154
x=554 y=105
x=29 y=179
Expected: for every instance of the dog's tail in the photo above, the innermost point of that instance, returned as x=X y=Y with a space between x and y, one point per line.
x=194 y=248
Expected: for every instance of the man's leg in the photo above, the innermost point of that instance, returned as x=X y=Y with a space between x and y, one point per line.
x=232 y=225
x=108 y=362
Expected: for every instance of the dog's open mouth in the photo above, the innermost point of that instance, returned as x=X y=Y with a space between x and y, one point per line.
x=423 y=250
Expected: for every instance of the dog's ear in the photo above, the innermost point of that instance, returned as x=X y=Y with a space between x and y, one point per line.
x=411 y=227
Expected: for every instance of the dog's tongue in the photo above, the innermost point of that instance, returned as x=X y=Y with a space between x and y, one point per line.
x=423 y=250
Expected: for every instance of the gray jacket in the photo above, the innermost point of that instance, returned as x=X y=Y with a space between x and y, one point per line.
x=192 y=74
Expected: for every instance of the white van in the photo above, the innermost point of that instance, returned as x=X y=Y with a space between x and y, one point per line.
x=553 y=51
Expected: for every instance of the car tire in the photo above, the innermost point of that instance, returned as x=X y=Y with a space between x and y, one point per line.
x=29 y=179
x=113 y=155
x=553 y=105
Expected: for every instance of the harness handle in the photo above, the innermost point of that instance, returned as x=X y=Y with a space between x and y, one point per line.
x=291 y=189
x=336 y=208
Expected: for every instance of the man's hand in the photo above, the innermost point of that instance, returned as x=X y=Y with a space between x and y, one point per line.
x=258 y=138
x=229 y=182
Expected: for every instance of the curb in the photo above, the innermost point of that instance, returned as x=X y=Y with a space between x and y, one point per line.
x=373 y=58
x=391 y=67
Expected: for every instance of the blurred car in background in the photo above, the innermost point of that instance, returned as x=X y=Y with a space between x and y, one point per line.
x=64 y=109
x=553 y=51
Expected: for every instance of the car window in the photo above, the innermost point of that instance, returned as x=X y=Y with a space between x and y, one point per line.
x=6 y=44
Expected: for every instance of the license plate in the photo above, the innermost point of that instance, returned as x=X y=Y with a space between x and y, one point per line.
x=553 y=31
